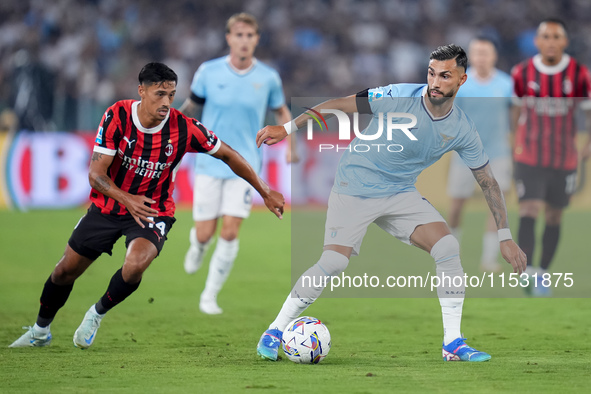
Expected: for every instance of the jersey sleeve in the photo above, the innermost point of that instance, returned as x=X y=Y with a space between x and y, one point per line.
x=198 y=89
x=471 y=150
x=518 y=88
x=585 y=88
x=108 y=135
x=276 y=96
x=202 y=140
x=382 y=99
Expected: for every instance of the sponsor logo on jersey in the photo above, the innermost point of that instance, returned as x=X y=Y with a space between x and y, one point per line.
x=374 y=95
x=99 y=136
x=145 y=168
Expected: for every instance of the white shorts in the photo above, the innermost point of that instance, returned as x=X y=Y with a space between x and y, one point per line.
x=461 y=182
x=348 y=217
x=216 y=197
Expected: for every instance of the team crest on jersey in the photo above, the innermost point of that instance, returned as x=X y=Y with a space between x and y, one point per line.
x=169 y=148
x=533 y=85
x=445 y=140
x=567 y=86
x=99 y=136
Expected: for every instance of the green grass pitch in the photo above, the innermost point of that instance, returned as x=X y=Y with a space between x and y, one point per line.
x=158 y=342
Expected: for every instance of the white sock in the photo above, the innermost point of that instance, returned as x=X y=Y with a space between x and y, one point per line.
x=220 y=266
x=490 y=247
x=41 y=330
x=446 y=253
x=202 y=248
x=309 y=287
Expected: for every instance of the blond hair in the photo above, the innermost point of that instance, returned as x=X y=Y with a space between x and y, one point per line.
x=242 y=17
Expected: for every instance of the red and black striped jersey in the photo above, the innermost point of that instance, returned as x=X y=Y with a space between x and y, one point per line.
x=546 y=132
x=145 y=160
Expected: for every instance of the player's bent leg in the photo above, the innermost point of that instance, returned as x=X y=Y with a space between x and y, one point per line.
x=550 y=238
x=140 y=254
x=446 y=253
x=455 y=215
x=221 y=265
x=200 y=239
x=306 y=290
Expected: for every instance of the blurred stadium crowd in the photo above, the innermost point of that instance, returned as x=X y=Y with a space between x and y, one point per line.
x=62 y=62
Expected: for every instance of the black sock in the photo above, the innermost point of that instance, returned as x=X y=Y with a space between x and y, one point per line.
x=117 y=291
x=549 y=245
x=526 y=237
x=52 y=299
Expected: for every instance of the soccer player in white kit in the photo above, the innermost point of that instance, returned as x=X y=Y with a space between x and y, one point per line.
x=235 y=91
x=486 y=97
x=378 y=186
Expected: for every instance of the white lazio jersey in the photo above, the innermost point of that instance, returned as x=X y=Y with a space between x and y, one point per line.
x=384 y=172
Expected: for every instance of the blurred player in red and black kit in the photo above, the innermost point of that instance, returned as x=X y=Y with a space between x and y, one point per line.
x=545 y=153
x=137 y=150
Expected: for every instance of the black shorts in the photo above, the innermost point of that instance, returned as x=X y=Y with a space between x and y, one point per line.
x=96 y=233
x=555 y=187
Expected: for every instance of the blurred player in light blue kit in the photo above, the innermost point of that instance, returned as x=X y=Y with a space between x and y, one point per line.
x=486 y=99
x=235 y=92
x=378 y=186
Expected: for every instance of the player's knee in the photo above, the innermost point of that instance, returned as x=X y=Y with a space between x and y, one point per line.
x=529 y=209
x=446 y=252
x=332 y=263
x=134 y=267
x=553 y=217
x=204 y=235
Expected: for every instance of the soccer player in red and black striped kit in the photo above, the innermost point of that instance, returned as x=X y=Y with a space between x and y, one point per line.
x=138 y=148
x=545 y=153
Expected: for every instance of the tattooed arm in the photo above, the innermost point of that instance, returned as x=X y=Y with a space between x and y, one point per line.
x=101 y=182
x=496 y=202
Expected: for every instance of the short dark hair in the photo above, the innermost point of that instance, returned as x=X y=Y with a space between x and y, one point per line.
x=489 y=39
x=156 y=73
x=451 y=51
x=558 y=21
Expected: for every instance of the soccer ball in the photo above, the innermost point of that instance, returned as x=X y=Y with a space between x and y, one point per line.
x=306 y=340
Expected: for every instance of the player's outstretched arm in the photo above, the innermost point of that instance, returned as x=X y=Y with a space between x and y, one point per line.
x=282 y=115
x=100 y=181
x=271 y=135
x=273 y=200
x=496 y=202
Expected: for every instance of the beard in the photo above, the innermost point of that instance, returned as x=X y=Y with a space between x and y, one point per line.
x=439 y=100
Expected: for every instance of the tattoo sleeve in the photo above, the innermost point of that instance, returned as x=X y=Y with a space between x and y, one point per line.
x=96 y=156
x=493 y=194
x=102 y=183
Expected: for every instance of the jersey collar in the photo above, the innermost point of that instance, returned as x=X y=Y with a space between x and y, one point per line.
x=138 y=125
x=433 y=118
x=551 y=70
x=241 y=72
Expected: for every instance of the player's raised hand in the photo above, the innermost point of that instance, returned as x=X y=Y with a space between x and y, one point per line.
x=514 y=255
x=137 y=208
x=275 y=202
x=271 y=135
